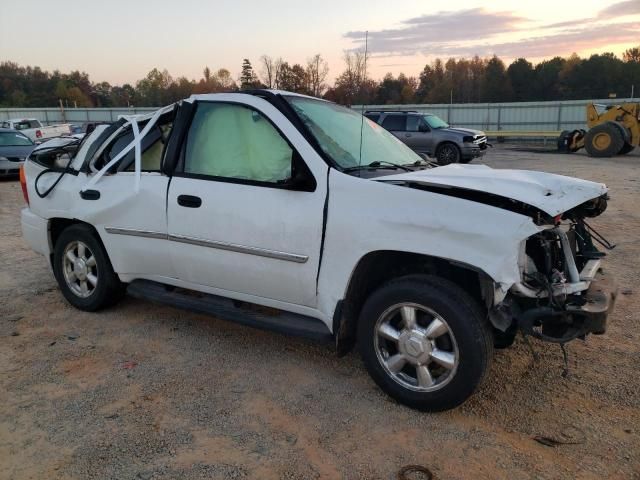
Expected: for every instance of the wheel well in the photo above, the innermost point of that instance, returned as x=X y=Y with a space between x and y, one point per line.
x=58 y=225
x=446 y=142
x=377 y=268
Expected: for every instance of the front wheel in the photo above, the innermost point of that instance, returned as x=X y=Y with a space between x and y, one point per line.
x=425 y=342
x=83 y=270
x=448 y=153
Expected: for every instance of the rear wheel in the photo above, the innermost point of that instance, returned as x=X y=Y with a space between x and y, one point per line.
x=425 y=342
x=448 y=153
x=604 y=140
x=83 y=270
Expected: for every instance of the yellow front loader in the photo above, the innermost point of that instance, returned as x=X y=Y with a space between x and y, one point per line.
x=613 y=130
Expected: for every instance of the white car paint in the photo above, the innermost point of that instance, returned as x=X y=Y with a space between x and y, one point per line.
x=553 y=194
x=363 y=216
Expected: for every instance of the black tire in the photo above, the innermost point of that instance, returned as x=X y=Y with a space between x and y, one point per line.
x=466 y=324
x=563 y=141
x=448 y=153
x=604 y=140
x=108 y=288
x=626 y=148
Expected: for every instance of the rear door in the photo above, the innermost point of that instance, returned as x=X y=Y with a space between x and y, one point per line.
x=235 y=222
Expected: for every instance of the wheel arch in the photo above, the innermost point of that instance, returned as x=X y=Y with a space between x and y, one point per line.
x=59 y=224
x=379 y=267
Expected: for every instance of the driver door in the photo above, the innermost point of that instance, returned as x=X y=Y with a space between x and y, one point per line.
x=236 y=221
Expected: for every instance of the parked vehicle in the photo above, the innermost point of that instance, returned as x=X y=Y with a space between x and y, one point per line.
x=32 y=128
x=293 y=203
x=430 y=135
x=79 y=131
x=14 y=148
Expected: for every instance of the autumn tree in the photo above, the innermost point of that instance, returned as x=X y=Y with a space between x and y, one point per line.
x=317 y=71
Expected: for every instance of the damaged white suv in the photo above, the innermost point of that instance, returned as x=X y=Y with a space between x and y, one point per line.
x=296 y=204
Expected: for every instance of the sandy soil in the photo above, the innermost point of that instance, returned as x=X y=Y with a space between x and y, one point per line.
x=141 y=391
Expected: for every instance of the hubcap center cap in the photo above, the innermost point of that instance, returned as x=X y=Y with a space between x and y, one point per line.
x=80 y=268
x=415 y=346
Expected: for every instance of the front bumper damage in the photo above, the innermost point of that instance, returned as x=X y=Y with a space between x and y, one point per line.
x=555 y=301
x=584 y=315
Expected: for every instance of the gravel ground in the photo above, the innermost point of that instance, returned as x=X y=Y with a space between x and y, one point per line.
x=147 y=392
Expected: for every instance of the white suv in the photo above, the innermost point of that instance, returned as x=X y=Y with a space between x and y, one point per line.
x=297 y=204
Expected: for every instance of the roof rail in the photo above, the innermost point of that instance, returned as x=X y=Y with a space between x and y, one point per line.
x=391 y=111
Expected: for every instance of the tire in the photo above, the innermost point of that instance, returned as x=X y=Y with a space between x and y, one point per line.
x=563 y=141
x=448 y=153
x=87 y=284
x=604 y=140
x=626 y=148
x=457 y=356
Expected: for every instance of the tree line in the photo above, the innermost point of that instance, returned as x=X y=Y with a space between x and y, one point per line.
x=454 y=80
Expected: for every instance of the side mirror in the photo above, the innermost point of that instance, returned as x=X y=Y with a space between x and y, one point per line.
x=423 y=127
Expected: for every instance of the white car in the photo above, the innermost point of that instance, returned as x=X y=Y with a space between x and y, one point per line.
x=297 y=204
x=32 y=128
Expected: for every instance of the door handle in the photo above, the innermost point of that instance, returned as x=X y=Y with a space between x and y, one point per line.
x=189 y=201
x=407 y=135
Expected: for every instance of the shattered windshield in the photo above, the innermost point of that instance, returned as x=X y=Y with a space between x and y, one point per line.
x=337 y=130
x=435 y=122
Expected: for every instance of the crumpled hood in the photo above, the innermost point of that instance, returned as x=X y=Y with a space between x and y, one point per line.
x=553 y=194
x=464 y=131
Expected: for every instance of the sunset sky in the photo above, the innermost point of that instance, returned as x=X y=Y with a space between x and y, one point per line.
x=120 y=41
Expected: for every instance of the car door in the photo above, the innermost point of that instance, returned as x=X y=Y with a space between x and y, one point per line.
x=133 y=224
x=417 y=135
x=237 y=221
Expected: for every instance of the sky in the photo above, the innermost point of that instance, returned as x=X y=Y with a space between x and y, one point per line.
x=121 y=40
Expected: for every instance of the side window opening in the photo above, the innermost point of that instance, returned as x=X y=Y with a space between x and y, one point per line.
x=374 y=117
x=152 y=148
x=413 y=123
x=236 y=142
x=395 y=123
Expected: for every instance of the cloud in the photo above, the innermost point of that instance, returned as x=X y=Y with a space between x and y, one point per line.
x=418 y=32
x=628 y=7
x=561 y=43
x=470 y=32
x=620 y=9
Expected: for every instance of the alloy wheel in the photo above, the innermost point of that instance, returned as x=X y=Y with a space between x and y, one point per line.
x=80 y=269
x=416 y=347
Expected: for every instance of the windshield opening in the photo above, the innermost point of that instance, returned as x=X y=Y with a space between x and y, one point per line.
x=12 y=139
x=337 y=131
x=435 y=122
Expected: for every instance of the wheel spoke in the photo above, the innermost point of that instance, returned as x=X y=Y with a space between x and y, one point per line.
x=424 y=376
x=71 y=256
x=446 y=359
x=84 y=287
x=81 y=250
x=436 y=328
x=71 y=275
x=93 y=280
x=408 y=317
x=387 y=331
x=395 y=363
x=91 y=261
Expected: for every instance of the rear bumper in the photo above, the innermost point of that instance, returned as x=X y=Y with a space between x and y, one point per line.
x=35 y=231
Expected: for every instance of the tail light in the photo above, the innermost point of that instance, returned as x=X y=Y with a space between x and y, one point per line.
x=23 y=184
x=38 y=134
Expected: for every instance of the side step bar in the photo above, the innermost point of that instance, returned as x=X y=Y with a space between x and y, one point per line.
x=224 y=309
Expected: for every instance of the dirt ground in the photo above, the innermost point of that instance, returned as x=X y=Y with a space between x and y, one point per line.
x=147 y=392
